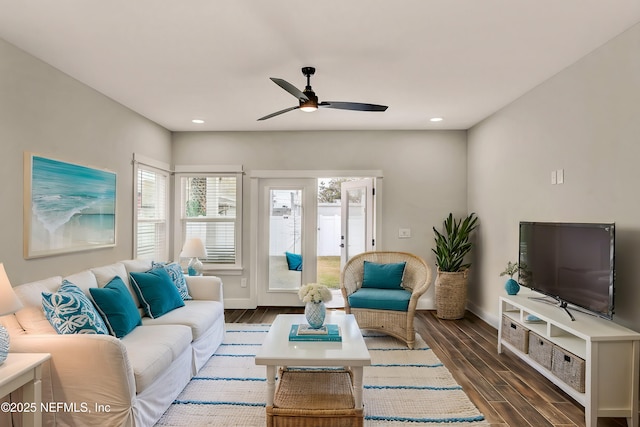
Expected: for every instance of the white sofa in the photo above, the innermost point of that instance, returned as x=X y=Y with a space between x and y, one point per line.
x=136 y=377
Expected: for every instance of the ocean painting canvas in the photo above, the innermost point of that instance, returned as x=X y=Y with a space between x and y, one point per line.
x=68 y=207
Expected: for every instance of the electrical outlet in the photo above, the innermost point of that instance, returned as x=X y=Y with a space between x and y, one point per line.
x=243 y=282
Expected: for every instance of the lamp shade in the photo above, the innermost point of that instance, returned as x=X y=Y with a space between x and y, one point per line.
x=193 y=248
x=9 y=302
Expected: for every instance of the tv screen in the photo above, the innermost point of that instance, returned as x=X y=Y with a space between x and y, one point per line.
x=573 y=263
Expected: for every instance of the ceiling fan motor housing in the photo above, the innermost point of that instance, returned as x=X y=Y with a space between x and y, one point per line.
x=312 y=102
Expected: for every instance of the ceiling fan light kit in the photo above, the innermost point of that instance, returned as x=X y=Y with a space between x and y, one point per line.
x=308 y=101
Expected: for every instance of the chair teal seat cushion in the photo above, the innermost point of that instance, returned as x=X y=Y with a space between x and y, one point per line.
x=380 y=299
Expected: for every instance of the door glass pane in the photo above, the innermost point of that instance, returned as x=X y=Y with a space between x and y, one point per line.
x=356 y=221
x=285 y=239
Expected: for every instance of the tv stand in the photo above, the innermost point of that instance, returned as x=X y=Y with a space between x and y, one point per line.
x=607 y=353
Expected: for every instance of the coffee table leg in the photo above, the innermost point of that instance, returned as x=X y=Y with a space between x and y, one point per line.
x=271 y=384
x=357 y=385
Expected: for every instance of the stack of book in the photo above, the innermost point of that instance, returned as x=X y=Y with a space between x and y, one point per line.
x=329 y=332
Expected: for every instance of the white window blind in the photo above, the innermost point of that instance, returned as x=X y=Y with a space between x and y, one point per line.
x=151 y=214
x=210 y=212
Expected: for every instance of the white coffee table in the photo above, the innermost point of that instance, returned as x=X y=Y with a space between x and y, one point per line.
x=277 y=350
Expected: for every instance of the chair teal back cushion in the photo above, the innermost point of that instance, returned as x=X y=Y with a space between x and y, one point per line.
x=383 y=276
x=294 y=261
x=380 y=299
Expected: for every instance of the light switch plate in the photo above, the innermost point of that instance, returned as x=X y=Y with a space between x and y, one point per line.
x=560 y=176
x=404 y=233
x=554 y=178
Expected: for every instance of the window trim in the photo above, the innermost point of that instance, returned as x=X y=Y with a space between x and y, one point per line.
x=182 y=171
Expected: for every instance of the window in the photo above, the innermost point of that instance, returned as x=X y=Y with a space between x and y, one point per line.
x=151 y=213
x=211 y=211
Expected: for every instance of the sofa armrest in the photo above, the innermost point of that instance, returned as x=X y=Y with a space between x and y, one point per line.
x=83 y=369
x=205 y=287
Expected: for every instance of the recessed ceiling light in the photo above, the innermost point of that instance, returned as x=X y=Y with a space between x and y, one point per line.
x=436 y=119
x=197 y=121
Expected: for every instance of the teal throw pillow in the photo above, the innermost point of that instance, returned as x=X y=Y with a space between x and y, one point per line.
x=175 y=272
x=156 y=292
x=70 y=311
x=294 y=261
x=116 y=306
x=383 y=276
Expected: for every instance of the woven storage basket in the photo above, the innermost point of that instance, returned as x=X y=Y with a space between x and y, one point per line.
x=540 y=350
x=568 y=367
x=451 y=294
x=515 y=334
x=314 y=398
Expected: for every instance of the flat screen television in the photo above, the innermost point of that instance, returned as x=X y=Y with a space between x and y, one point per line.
x=570 y=262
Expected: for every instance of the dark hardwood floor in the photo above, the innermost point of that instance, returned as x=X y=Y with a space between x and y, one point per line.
x=506 y=390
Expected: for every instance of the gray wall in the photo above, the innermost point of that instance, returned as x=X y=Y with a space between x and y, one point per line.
x=45 y=111
x=424 y=176
x=583 y=120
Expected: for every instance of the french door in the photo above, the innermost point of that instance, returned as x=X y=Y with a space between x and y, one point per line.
x=287 y=220
x=357 y=218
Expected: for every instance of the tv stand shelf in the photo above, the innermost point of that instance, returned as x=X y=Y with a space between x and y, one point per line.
x=610 y=352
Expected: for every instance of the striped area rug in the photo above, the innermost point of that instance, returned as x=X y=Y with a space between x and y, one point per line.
x=402 y=387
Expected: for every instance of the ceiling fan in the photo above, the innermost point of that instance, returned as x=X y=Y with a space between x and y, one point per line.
x=309 y=101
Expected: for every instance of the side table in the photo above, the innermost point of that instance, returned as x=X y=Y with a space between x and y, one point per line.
x=25 y=370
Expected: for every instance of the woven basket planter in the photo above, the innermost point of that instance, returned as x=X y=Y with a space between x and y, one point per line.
x=451 y=294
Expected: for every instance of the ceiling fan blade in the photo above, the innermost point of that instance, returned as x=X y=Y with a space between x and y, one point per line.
x=357 y=106
x=277 y=113
x=290 y=88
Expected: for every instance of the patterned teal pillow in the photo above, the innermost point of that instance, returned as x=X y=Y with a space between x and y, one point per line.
x=175 y=272
x=70 y=311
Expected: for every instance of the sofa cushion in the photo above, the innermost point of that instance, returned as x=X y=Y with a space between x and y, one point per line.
x=380 y=299
x=106 y=273
x=156 y=292
x=31 y=317
x=383 y=276
x=152 y=349
x=70 y=311
x=85 y=280
x=175 y=272
x=116 y=306
x=139 y=265
x=199 y=315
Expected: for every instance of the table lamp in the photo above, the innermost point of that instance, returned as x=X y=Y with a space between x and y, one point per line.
x=194 y=248
x=9 y=303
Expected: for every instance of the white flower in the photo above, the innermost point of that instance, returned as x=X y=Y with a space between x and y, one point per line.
x=313 y=292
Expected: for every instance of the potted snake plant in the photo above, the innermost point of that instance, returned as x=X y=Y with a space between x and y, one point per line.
x=452 y=246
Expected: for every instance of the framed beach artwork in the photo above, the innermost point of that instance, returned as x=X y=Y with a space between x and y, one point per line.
x=67 y=207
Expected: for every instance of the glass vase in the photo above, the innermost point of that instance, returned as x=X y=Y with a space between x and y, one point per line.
x=315 y=313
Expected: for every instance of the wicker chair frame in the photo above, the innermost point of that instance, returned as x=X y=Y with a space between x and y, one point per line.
x=417 y=279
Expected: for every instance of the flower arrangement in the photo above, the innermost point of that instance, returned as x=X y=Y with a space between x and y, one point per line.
x=314 y=292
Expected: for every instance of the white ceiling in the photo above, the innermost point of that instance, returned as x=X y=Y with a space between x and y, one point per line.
x=173 y=61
